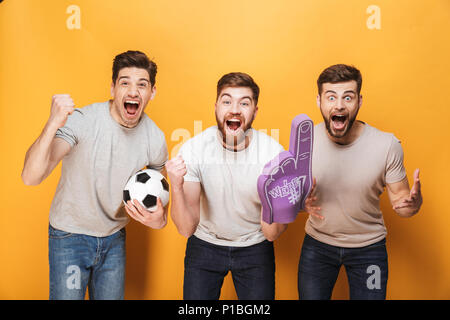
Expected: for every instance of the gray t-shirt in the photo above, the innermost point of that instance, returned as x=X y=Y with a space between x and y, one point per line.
x=104 y=155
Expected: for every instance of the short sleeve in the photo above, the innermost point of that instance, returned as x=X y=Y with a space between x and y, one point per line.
x=192 y=164
x=73 y=129
x=158 y=153
x=395 y=170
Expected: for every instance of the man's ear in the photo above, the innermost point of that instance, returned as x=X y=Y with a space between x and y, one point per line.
x=256 y=111
x=318 y=100
x=153 y=93
x=112 y=90
x=360 y=100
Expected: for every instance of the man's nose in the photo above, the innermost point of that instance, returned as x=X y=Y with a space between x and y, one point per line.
x=339 y=104
x=133 y=91
x=235 y=109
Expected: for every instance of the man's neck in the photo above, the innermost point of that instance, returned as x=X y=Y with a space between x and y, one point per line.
x=239 y=146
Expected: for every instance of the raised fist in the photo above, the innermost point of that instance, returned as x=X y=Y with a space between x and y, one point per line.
x=62 y=106
x=176 y=170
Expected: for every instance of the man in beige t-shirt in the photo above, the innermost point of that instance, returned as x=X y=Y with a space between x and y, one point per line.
x=352 y=164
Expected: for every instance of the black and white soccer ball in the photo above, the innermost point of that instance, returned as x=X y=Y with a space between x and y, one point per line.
x=146 y=186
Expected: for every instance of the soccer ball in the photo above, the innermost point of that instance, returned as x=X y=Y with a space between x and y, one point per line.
x=145 y=186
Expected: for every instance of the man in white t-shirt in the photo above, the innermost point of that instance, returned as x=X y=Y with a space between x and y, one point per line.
x=352 y=162
x=215 y=201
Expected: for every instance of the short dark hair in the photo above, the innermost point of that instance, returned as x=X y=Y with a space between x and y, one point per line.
x=339 y=73
x=238 y=79
x=136 y=59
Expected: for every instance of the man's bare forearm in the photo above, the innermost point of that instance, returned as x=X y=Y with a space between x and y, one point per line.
x=184 y=218
x=37 y=158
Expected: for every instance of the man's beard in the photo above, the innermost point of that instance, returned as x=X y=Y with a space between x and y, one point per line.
x=341 y=133
x=233 y=140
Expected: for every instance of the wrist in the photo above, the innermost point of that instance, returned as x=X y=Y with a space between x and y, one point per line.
x=177 y=188
x=50 y=128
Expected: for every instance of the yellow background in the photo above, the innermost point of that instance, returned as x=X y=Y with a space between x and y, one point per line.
x=284 y=45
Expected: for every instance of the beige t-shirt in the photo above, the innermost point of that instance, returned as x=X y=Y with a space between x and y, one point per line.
x=230 y=208
x=350 y=179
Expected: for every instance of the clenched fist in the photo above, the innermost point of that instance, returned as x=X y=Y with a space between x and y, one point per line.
x=176 y=170
x=62 y=106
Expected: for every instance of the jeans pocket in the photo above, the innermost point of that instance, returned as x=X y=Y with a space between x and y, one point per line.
x=58 y=234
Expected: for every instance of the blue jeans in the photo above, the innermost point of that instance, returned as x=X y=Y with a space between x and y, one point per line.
x=366 y=267
x=79 y=261
x=206 y=265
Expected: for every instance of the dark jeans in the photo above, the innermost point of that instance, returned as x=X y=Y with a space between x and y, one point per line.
x=366 y=267
x=206 y=265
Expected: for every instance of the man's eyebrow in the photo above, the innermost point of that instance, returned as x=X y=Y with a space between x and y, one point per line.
x=127 y=77
x=244 y=97
x=347 y=91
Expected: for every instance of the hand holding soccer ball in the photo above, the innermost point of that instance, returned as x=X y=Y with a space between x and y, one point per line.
x=145 y=195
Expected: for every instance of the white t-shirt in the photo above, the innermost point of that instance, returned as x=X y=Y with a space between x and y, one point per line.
x=230 y=208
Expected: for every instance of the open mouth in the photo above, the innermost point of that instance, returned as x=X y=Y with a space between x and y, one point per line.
x=131 y=107
x=339 y=121
x=233 y=124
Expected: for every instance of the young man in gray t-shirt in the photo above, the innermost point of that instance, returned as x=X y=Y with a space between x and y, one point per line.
x=101 y=146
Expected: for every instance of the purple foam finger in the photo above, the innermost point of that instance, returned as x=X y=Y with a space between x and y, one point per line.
x=270 y=167
x=302 y=133
x=266 y=211
x=286 y=180
x=270 y=187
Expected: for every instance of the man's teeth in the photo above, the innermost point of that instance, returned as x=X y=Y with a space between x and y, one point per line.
x=132 y=102
x=233 y=124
